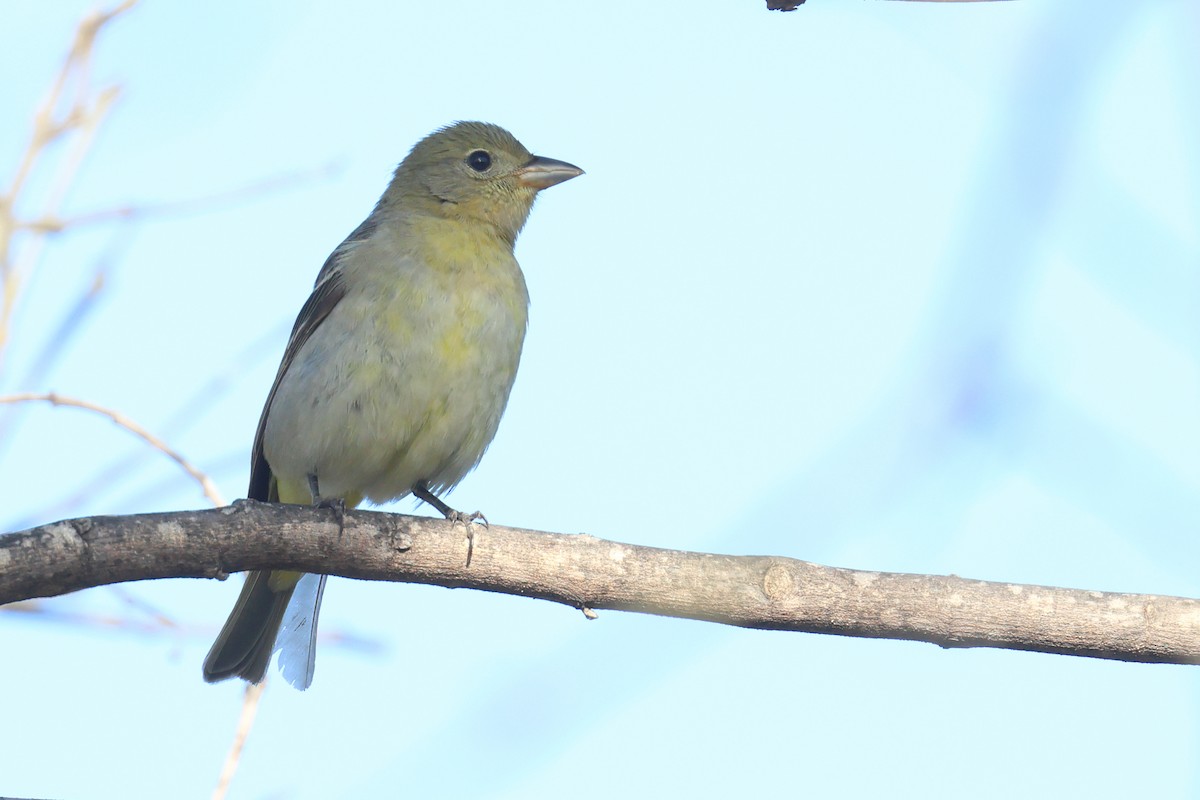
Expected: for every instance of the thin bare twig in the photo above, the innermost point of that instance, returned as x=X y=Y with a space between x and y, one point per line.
x=191 y=205
x=157 y=624
x=792 y=5
x=183 y=417
x=207 y=486
x=82 y=117
x=245 y=723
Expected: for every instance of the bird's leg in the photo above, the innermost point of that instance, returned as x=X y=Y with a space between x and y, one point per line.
x=422 y=493
x=335 y=504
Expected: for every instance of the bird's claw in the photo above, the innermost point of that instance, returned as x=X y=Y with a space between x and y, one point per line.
x=459 y=518
x=467 y=519
x=338 y=506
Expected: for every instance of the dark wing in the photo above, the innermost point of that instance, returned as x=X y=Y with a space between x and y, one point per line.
x=327 y=293
x=324 y=297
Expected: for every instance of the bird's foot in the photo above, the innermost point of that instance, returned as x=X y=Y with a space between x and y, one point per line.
x=459 y=518
x=338 y=506
x=467 y=519
x=335 y=504
x=423 y=493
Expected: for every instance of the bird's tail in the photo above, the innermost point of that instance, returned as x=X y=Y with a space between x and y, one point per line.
x=243 y=648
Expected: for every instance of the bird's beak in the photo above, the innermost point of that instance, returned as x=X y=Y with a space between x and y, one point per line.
x=542 y=173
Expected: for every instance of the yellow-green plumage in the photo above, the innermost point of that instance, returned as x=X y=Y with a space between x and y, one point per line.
x=401 y=362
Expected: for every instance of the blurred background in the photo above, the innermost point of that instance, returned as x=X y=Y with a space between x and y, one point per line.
x=893 y=286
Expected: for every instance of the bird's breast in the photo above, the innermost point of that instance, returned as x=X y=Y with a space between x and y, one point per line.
x=408 y=376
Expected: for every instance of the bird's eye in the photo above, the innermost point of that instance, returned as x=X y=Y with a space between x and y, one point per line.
x=479 y=160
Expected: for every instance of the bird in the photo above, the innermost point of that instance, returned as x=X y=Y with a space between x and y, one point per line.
x=397 y=370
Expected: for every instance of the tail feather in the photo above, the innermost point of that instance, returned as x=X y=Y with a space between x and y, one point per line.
x=297 y=640
x=245 y=644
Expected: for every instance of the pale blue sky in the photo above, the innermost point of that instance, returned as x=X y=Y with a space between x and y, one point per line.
x=895 y=286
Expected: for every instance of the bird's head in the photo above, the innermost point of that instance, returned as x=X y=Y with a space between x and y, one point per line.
x=476 y=172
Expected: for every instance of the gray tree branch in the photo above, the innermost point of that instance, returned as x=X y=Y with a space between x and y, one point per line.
x=582 y=571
